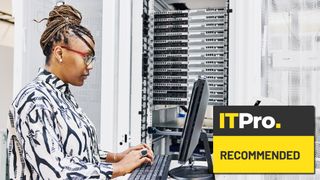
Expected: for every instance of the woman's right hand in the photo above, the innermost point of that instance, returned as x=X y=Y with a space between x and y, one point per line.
x=119 y=156
x=131 y=161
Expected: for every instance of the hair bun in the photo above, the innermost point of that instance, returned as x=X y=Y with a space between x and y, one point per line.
x=65 y=14
x=63 y=20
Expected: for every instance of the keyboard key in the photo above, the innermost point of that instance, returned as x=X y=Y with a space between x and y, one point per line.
x=157 y=171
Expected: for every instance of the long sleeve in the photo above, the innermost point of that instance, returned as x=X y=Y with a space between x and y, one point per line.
x=44 y=152
x=49 y=135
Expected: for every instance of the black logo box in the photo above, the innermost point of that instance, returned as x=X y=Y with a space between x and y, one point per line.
x=295 y=120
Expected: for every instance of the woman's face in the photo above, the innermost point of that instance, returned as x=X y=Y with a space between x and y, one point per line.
x=74 y=69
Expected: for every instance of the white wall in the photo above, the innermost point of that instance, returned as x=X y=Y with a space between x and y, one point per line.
x=117 y=80
x=6 y=78
x=109 y=74
x=136 y=73
x=6 y=60
x=245 y=52
x=6 y=87
x=6 y=34
x=6 y=29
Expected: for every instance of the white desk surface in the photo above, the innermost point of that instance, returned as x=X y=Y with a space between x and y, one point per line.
x=316 y=176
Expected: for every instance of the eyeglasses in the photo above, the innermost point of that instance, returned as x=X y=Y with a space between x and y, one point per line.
x=87 y=57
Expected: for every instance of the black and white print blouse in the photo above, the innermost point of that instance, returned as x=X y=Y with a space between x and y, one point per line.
x=49 y=135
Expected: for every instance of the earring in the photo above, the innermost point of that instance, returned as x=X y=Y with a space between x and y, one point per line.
x=60 y=60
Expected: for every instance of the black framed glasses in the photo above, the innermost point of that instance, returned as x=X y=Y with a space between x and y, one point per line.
x=87 y=57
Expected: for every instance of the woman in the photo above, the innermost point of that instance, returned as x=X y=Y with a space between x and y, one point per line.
x=50 y=137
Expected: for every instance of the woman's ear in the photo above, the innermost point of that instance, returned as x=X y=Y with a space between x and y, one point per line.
x=57 y=52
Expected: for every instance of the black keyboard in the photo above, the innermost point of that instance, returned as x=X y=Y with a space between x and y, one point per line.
x=157 y=171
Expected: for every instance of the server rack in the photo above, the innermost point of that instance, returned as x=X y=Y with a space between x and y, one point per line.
x=178 y=47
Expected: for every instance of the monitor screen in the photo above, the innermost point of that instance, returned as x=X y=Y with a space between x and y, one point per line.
x=194 y=120
x=191 y=134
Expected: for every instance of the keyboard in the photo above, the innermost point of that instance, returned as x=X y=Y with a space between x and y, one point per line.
x=157 y=171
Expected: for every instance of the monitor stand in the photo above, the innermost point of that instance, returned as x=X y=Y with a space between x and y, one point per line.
x=196 y=172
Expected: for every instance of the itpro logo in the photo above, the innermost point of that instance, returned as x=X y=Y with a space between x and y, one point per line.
x=247 y=119
x=263 y=139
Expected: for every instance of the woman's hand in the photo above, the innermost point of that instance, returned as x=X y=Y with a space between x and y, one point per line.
x=120 y=156
x=131 y=160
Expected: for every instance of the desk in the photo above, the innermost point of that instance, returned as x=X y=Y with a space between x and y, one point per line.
x=174 y=163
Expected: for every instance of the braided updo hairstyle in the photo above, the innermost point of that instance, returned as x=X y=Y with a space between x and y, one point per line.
x=63 y=20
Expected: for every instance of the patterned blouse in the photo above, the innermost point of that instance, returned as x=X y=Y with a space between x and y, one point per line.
x=50 y=137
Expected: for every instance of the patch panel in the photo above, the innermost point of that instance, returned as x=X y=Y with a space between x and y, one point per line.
x=180 y=81
x=170 y=15
x=164 y=30
x=170 y=88
x=170 y=58
x=162 y=23
x=171 y=94
x=172 y=44
x=172 y=66
x=171 y=52
x=172 y=37
x=179 y=103
x=170 y=73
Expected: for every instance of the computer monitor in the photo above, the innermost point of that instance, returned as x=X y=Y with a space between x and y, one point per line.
x=191 y=134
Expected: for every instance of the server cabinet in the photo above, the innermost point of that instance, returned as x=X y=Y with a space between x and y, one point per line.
x=179 y=45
